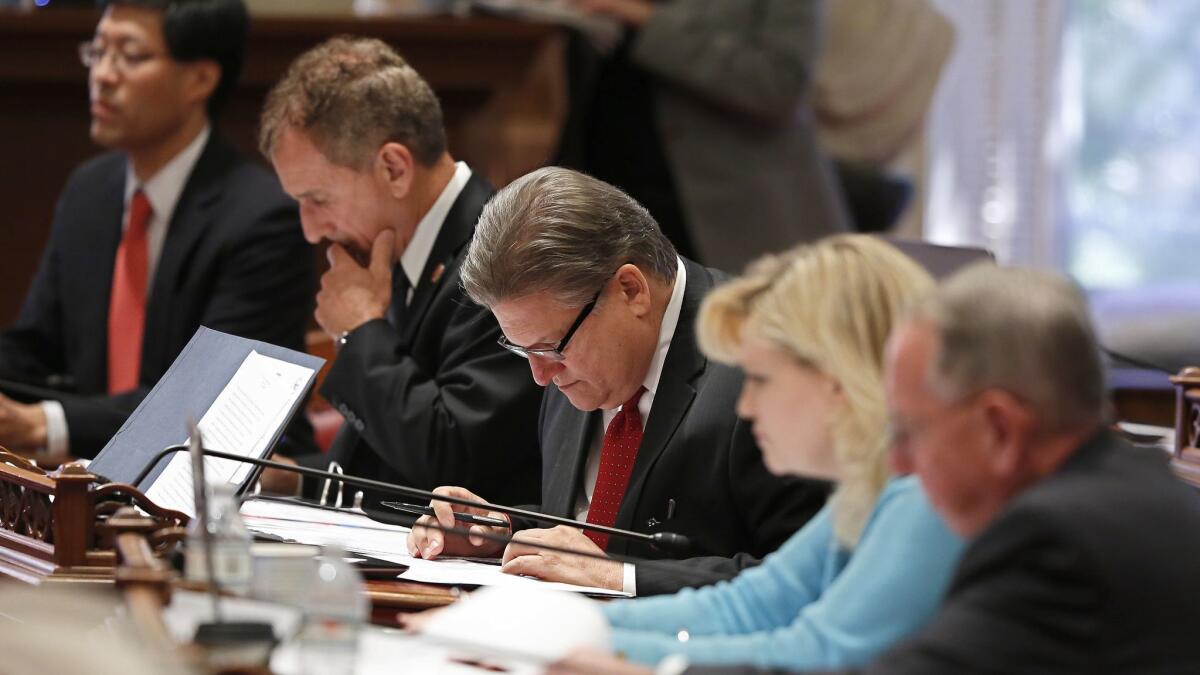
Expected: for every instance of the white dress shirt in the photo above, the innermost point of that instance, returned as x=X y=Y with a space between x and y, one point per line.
x=665 y=332
x=416 y=254
x=162 y=191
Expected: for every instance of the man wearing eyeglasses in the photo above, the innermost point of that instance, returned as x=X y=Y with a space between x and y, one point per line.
x=638 y=429
x=356 y=136
x=171 y=230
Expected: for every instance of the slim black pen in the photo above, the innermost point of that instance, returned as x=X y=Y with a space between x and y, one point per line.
x=419 y=510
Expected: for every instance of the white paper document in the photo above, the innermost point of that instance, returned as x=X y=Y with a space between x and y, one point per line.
x=303 y=524
x=471 y=573
x=243 y=420
x=358 y=533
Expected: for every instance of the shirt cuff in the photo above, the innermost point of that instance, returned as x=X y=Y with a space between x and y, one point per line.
x=629 y=584
x=57 y=441
x=673 y=664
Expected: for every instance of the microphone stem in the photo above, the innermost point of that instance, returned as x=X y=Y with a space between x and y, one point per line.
x=700 y=574
x=401 y=489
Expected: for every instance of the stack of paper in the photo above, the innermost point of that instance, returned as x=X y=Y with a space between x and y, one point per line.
x=319 y=526
x=357 y=533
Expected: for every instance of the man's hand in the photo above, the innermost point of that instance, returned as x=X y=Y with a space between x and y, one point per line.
x=428 y=543
x=278 y=481
x=629 y=12
x=351 y=294
x=592 y=662
x=555 y=566
x=22 y=425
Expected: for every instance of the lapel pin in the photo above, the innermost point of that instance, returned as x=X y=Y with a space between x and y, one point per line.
x=438 y=271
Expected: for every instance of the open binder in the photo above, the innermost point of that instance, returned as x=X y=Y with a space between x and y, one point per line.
x=187 y=390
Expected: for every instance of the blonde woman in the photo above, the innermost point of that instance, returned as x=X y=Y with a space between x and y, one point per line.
x=808 y=328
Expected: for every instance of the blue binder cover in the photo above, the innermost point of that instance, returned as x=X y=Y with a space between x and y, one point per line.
x=188 y=388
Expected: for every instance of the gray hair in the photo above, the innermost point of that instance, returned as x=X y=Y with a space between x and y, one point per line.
x=1022 y=330
x=564 y=233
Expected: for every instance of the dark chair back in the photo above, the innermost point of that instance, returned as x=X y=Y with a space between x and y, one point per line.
x=940 y=261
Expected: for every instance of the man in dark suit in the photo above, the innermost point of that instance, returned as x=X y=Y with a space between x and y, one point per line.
x=1083 y=549
x=427 y=396
x=171 y=231
x=638 y=429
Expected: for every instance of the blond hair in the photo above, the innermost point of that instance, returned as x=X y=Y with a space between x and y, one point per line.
x=831 y=305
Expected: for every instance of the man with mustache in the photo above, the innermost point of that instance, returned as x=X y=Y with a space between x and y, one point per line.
x=170 y=230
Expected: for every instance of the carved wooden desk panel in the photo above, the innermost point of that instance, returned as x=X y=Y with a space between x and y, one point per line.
x=52 y=524
x=1186 y=461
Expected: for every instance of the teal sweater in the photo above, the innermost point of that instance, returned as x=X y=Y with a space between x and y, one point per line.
x=811 y=604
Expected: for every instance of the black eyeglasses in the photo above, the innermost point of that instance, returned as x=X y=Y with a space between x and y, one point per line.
x=124 y=57
x=554 y=353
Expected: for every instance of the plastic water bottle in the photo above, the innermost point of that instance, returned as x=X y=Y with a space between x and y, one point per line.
x=335 y=610
x=230 y=540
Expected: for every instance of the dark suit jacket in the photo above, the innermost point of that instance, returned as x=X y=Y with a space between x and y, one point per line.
x=696 y=452
x=438 y=402
x=234 y=259
x=1092 y=570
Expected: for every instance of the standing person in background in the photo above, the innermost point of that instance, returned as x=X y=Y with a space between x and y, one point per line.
x=699 y=114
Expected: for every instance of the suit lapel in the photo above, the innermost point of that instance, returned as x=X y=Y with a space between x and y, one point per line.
x=454 y=234
x=675 y=393
x=96 y=271
x=189 y=223
x=576 y=431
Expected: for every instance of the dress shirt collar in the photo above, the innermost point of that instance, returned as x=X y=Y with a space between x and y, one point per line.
x=416 y=254
x=163 y=188
x=666 y=332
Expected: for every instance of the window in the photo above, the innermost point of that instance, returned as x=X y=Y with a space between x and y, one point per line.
x=1131 y=115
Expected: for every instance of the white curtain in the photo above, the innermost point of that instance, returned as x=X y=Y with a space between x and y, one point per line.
x=994 y=132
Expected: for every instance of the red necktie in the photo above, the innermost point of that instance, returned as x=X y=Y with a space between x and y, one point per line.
x=617 y=454
x=127 y=303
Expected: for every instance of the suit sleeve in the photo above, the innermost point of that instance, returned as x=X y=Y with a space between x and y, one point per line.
x=761 y=68
x=263 y=291
x=466 y=420
x=771 y=510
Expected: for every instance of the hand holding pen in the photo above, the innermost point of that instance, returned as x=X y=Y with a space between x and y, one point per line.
x=424 y=542
x=460 y=516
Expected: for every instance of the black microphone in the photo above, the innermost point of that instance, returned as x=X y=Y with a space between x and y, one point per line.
x=663 y=541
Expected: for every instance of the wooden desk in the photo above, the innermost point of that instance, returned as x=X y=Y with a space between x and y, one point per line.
x=1144 y=396
x=499 y=82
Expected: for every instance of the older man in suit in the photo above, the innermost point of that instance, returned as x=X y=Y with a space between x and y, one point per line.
x=638 y=429
x=172 y=230
x=1082 y=549
x=356 y=136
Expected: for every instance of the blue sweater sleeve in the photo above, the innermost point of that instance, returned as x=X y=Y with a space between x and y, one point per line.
x=888 y=589
x=760 y=598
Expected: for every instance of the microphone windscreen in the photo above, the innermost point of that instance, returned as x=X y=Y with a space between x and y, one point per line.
x=670 y=542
